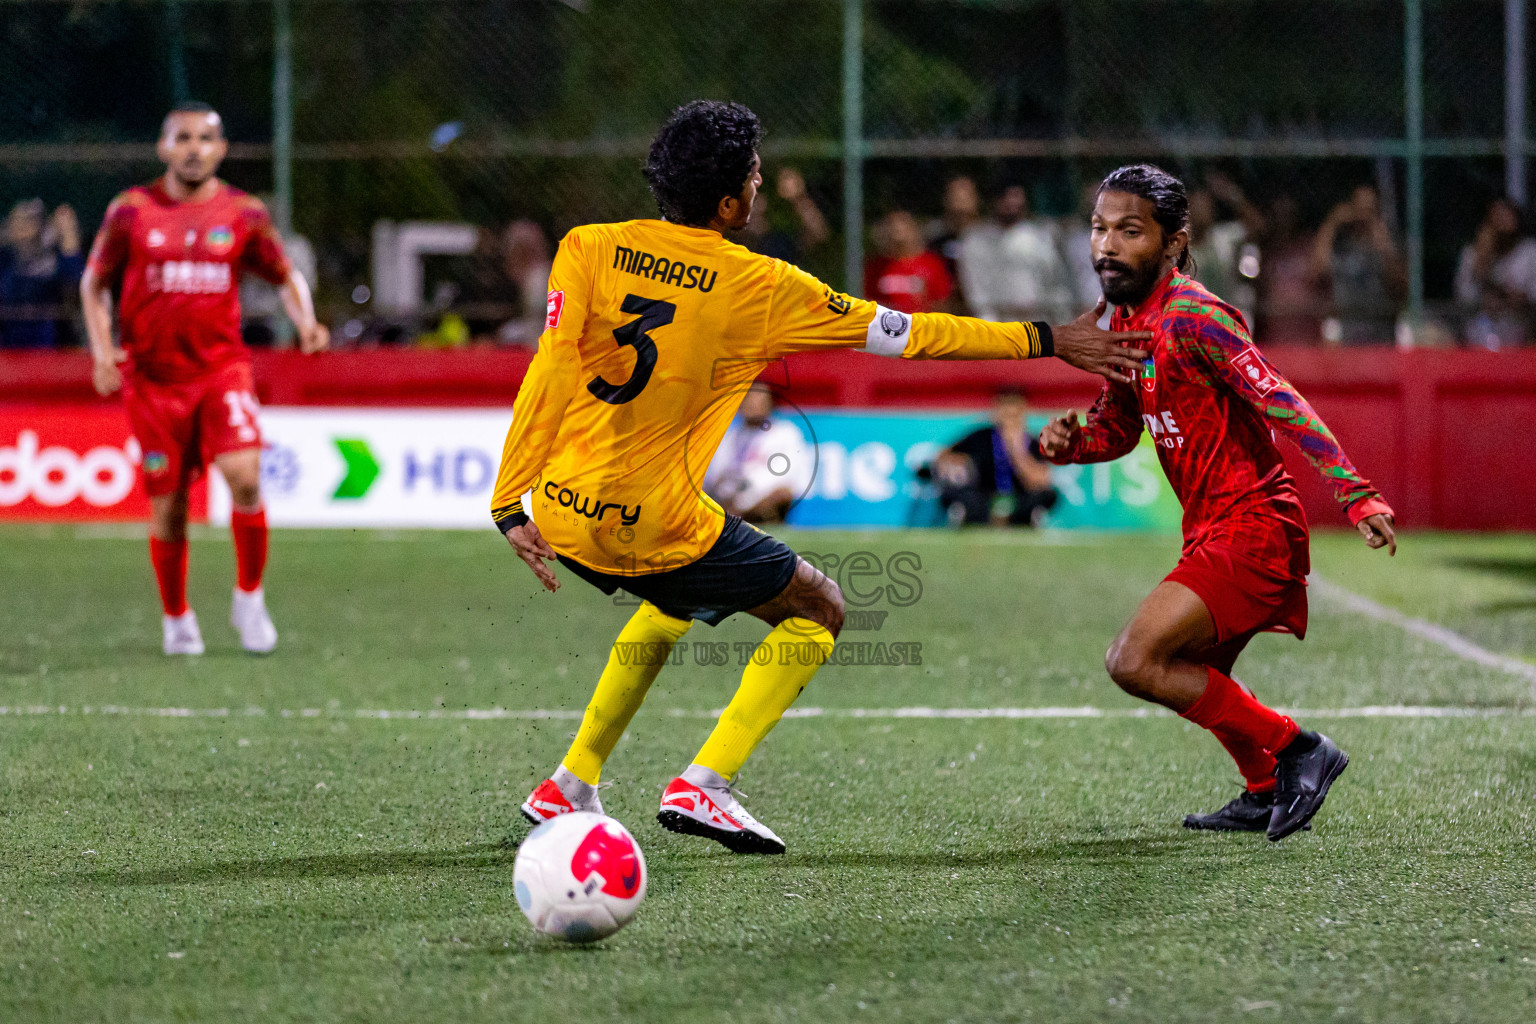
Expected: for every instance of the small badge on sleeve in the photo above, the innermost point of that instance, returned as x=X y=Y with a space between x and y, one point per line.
x=1259 y=376
x=555 y=308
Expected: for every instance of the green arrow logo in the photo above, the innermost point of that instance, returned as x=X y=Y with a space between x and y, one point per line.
x=362 y=467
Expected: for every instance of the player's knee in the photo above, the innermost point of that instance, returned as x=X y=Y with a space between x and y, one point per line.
x=245 y=492
x=1131 y=667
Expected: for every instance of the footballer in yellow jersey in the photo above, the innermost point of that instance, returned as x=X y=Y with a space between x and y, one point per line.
x=655 y=330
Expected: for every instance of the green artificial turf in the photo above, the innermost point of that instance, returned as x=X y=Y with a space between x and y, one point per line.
x=275 y=856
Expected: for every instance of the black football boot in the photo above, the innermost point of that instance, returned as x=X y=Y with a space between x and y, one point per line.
x=1248 y=813
x=1303 y=772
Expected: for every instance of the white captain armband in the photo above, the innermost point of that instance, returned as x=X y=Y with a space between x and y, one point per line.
x=888 y=332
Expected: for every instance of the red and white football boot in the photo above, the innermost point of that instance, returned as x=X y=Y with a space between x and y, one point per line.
x=559 y=794
x=712 y=811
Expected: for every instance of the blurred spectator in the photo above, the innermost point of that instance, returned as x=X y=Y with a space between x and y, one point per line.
x=1355 y=253
x=498 y=291
x=40 y=268
x=762 y=236
x=995 y=475
x=962 y=209
x=1011 y=268
x=1496 y=279
x=525 y=259
x=904 y=274
x=1078 y=249
x=1225 y=251
x=763 y=464
x=261 y=303
x=1290 y=303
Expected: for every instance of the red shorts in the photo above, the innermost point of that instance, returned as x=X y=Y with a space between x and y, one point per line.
x=1243 y=596
x=182 y=427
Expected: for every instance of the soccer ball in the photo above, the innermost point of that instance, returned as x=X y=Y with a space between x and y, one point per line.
x=579 y=877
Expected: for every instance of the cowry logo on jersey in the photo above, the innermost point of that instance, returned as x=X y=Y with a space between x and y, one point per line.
x=888 y=332
x=1255 y=372
x=592 y=508
x=556 y=306
x=1165 y=432
x=188 y=277
x=155 y=239
x=220 y=240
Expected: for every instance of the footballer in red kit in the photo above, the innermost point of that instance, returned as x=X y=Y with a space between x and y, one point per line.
x=1213 y=406
x=174 y=251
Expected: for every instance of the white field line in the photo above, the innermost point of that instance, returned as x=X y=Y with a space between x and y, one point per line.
x=1448 y=639
x=877 y=714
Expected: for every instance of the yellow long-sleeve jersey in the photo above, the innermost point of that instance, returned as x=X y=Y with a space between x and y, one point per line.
x=654 y=333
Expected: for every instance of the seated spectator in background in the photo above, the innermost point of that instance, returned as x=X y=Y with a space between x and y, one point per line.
x=1496 y=279
x=1225 y=252
x=261 y=303
x=525 y=259
x=962 y=209
x=40 y=268
x=1354 y=252
x=763 y=464
x=905 y=275
x=1011 y=267
x=762 y=236
x=1290 y=302
x=994 y=475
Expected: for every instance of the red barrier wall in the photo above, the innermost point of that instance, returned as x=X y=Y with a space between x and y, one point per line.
x=1445 y=435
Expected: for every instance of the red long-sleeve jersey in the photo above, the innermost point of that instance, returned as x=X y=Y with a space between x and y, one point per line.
x=1213 y=404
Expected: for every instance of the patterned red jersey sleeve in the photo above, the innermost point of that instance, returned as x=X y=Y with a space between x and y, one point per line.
x=1112 y=429
x=263 y=253
x=109 y=253
x=1215 y=345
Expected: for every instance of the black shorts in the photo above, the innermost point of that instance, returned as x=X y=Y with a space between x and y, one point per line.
x=745 y=568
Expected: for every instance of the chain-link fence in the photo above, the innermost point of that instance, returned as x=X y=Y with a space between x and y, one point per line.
x=505 y=122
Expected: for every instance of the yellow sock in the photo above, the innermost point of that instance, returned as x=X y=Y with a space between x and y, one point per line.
x=783 y=663
x=636 y=659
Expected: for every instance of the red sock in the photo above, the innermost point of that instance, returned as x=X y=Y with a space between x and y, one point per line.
x=249 y=529
x=1251 y=732
x=169 y=558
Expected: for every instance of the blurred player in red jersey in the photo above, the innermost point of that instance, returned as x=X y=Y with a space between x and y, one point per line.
x=1213 y=404
x=175 y=249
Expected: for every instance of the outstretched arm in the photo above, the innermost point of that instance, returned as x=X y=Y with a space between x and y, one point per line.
x=1113 y=428
x=1221 y=346
x=807 y=315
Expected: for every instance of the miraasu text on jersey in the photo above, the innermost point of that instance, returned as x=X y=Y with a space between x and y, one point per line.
x=654 y=332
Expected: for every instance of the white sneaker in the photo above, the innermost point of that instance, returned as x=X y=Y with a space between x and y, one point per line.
x=181 y=633
x=701 y=803
x=561 y=793
x=248 y=614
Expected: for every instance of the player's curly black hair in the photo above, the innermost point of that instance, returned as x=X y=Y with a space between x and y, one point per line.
x=1170 y=202
x=701 y=155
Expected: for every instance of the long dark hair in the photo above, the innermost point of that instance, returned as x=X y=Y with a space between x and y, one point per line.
x=1170 y=203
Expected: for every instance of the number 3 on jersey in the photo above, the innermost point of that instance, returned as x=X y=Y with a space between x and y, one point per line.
x=636 y=334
